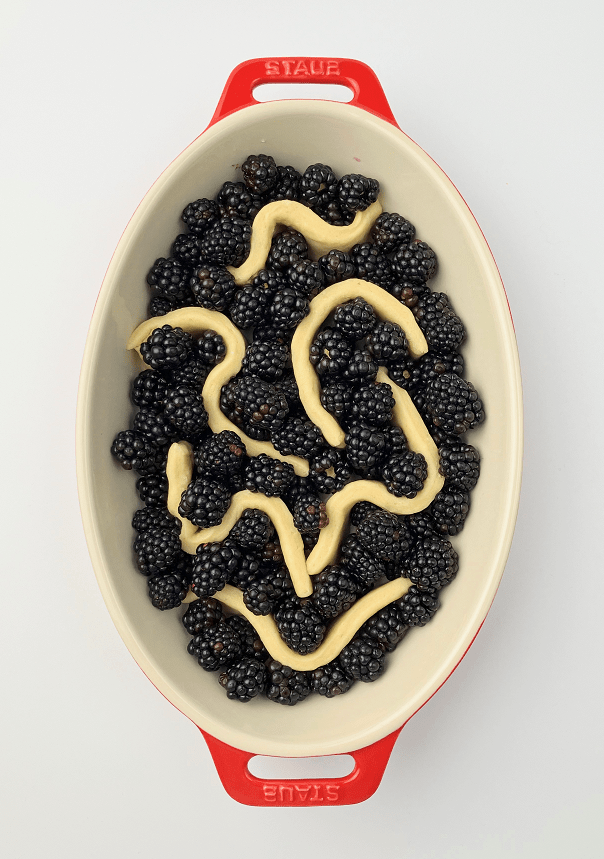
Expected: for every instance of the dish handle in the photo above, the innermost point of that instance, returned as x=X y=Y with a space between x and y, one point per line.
x=232 y=767
x=357 y=76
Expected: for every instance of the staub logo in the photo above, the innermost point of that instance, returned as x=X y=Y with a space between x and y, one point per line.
x=301 y=792
x=307 y=67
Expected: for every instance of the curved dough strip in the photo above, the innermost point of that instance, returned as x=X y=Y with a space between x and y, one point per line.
x=387 y=308
x=195 y=320
x=340 y=633
x=320 y=236
x=179 y=470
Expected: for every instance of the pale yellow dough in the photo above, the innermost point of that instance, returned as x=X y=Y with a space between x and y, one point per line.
x=320 y=236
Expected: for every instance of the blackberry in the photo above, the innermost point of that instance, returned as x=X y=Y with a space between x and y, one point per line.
x=330 y=680
x=408 y=293
x=286 y=686
x=269 y=280
x=167 y=348
x=417 y=606
x=154 y=425
x=247 y=571
x=261 y=406
x=289 y=388
x=200 y=215
x=266 y=360
x=336 y=398
x=287 y=248
x=252 y=644
x=414 y=262
x=365 y=568
x=337 y=266
x=249 y=306
x=213 y=287
x=170 y=277
x=153 y=517
x=167 y=590
x=335 y=215
x=391 y=230
x=271 y=333
x=227 y=242
x=413 y=374
x=356 y=192
x=453 y=404
x=211 y=347
x=185 y=409
x=201 y=615
x=387 y=343
x=330 y=352
x=288 y=308
x=420 y=524
x=214 y=564
x=160 y=305
x=396 y=440
x=222 y=457
x=153 y=489
x=372 y=265
x=192 y=374
x=360 y=511
x=298 y=437
x=381 y=533
x=309 y=512
x=372 y=404
x=459 y=464
x=361 y=367
x=449 y=510
x=157 y=550
x=269 y=476
x=386 y=627
x=309 y=540
x=365 y=447
x=443 y=329
x=253 y=530
x=259 y=597
x=204 y=502
x=244 y=680
x=404 y=474
x=135 y=452
x=216 y=647
x=363 y=659
x=432 y=564
x=260 y=173
x=287 y=186
x=355 y=319
x=334 y=591
x=318 y=186
x=300 y=625
x=186 y=249
x=329 y=470
x=306 y=277
x=236 y=200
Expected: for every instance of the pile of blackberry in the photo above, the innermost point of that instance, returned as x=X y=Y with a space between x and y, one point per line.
x=263 y=403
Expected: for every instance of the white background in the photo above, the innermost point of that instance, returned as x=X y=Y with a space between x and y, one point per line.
x=96 y=100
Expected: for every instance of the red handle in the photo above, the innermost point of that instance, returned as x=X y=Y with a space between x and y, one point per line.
x=239 y=88
x=359 y=785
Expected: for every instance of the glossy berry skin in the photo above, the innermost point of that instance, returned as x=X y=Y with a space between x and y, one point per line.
x=363 y=659
x=260 y=173
x=204 y=502
x=300 y=625
x=391 y=230
x=135 y=452
x=244 y=680
x=286 y=686
x=166 y=348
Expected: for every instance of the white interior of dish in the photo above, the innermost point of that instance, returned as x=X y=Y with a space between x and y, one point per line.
x=350 y=140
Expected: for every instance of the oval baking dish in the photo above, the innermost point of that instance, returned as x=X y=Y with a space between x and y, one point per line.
x=359 y=136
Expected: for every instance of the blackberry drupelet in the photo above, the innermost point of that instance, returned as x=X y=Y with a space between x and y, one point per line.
x=214 y=564
x=391 y=230
x=227 y=242
x=365 y=447
x=288 y=308
x=236 y=200
x=287 y=186
x=184 y=407
x=337 y=266
x=381 y=533
x=157 y=550
x=306 y=277
x=459 y=464
x=363 y=659
x=404 y=473
x=387 y=343
x=449 y=510
x=167 y=348
x=213 y=287
x=135 y=452
x=363 y=566
x=154 y=425
x=269 y=476
x=361 y=368
x=153 y=489
x=356 y=193
x=266 y=360
x=330 y=352
x=334 y=591
x=372 y=265
x=186 y=248
x=330 y=680
x=244 y=679
x=200 y=214
x=155 y=517
x=249 y=306
x=417 y=606
x=204 y=502
x=443 y=329
x=432 y=563
x=253 y=530
x=453 y=404
x=201 y=615
x=355 y=319
x=260 y=173
x=309 y=512
x=222 y=457
x=288 y=247
x=298 y=437
x=372 y=404
x=300 y=625
x=170 y=277
x=318 y=186
x=286 y=686
x=336 y=398
x=414 y=262
x=386 y=627
x=216 y=647
x=167 y=590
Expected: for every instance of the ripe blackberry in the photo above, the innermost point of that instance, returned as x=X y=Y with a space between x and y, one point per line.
x=365 y=447
x=260 y=597
x=420 y=525
x=204 y=502
x=300 y=625
x=336 y=398
x=286 y=686
x=227 y=242
x=160 y=305
x=432 y=563
x=365 y=568
x=287 y=248
x=153 y=517
x=135 y=452
x=372 y=265
x=355 y=319
x=334 y=591
x=252 y=644
x=167 y=348
x=334 y=214
x=330 y=680
x=269 y=476
x=211 y=348
x=192 y=374
x=201 y=615
x=372 y=404
x=413 y=374
x=449 y=510
x=453 y=404
x=167 y=590
x=249 y=306
x=253 y=530
x=157 y=550
x=153 y=489
x=356 y=192
x=309 y=512
x=363 y=659
x=391 y=230
x=216 y=647
x=260 y=173
x=404 y=473
x=330 y=352
x=408 y=292
x=288 y=308
x=154 y=425
x=417 y=606
x=200 y=215
x=170 y=277
x=244 y=679
x=387 y=343
x=213 y=287
x=414 y=262
x=381 y=533
x=261 y=407
x=185 y=409
x=270 y=280
x=309 y=540
x=361 y=368
x=287 y=186
x=289 y=388
x=396 y=440
x=459 y=464
x=318 y=186
x=222 y=457
x=267 y=331
x=360 y=511
x=443 y=329
x=186 y=248
x=329 y=470
x=298 y=437
x=386 y=627
x=337 y=266
x=247 y=571
x=214 y=564
x=266 y=360
x=306 y=277
x=236 y=200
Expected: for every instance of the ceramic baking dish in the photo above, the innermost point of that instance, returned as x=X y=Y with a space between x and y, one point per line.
x=359 y=136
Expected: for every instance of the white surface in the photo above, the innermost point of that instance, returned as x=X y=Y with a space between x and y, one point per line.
x=505 y=760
